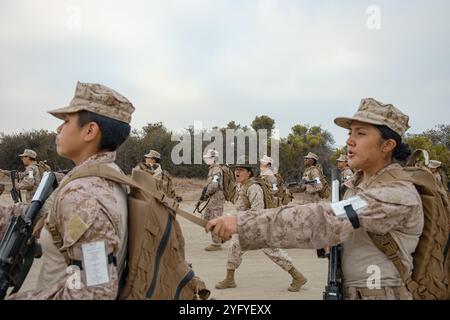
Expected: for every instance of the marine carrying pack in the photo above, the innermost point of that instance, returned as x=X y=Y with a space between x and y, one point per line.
x=429 y=279
x=270 y=201
x=155 y=267
x=43 y=167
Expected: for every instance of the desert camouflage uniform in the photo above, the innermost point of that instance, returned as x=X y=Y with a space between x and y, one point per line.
x=86 y=210
x=214 y=190
x=346 y=174
x=312 y=190
x=270 y=178
x=393 y=207
x=29 y=180
x=252 y=198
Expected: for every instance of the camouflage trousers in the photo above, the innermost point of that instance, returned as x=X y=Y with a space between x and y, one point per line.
x=386 y=293
x=280 y=257
x=212 y=213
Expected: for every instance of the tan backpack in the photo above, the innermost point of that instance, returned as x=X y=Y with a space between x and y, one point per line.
x=283 y=194
x=270 y=201
x=43 y=167
x=156 y=267
x=229 y=183
x=429 y=279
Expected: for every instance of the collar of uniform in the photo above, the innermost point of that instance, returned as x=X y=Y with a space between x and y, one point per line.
x=31 y=165
x=354 y=182
x=103 y=157
x=266 y=172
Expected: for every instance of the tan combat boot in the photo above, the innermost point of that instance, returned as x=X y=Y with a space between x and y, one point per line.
x=298 y=280
x=213 y=247
x=228 y=282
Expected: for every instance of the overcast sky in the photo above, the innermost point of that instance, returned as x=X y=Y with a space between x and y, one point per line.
x=220 y=60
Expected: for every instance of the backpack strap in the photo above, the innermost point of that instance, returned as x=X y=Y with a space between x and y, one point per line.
x=104 y=171
x=385 y=242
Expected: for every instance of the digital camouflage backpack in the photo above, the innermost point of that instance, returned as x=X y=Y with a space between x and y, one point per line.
x=429 y=279
x=229 y=183
x=155 y=267
x=43 y=167
x=270 y=201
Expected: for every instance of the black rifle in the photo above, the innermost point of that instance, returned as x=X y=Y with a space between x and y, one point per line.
x=333 y=289
x=301 y=183
x=17 y=248
x=203 y=198
x=15 y=194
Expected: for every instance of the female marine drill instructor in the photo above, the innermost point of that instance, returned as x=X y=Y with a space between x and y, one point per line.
x=394 y=207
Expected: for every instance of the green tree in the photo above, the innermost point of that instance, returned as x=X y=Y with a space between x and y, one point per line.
x=301 y=140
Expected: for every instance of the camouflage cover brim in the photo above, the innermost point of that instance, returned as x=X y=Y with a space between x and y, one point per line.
x=116 y=112
x=242 y=165
x=60 y=112
x=344 y=122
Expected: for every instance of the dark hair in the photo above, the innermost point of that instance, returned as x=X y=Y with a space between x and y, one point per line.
x=114 y=132
x=314 y=161
x=402 y=151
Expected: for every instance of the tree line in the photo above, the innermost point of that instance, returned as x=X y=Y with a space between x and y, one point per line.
x=303 y=138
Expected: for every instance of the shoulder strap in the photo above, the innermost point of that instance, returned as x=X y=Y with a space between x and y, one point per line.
x=104 y=171
x=393 y=175
x=385 y=242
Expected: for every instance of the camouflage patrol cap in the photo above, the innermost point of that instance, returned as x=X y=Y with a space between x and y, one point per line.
x=342 y=158
x=434 y=164
x=375 y=112
x=98 y=99
x=311 y=155
x=211 y=153
x=153 y=154
x=266 y=159
x=29 y=153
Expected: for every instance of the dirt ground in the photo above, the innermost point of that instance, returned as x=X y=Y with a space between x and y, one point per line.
x=258 y=278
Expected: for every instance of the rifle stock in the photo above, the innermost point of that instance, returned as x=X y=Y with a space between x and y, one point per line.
x=301 y=183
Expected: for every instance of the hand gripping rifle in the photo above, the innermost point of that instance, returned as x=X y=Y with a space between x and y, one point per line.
x=17 y=248
x=333 y=289
x=15 y=194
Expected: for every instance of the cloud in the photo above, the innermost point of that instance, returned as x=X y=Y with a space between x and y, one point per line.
x=216 y=61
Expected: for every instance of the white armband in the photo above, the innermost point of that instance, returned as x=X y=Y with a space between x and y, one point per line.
x=356 y=202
